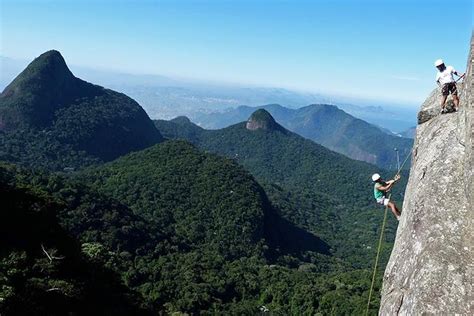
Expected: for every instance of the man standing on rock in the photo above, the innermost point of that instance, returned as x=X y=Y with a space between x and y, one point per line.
x=381 y=188
x=445 y=80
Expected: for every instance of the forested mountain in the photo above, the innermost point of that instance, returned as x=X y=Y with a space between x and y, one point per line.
x=180 y=127
x=42 y=268
x=47 y=112
x=171 y=227
x=200 y=200
x=313 y=187
x=328 y=126
x=199 y=236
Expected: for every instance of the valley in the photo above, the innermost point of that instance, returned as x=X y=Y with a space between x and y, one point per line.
x=177 y=218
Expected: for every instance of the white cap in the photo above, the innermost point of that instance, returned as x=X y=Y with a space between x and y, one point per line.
x=375 y=177
x=438 y=62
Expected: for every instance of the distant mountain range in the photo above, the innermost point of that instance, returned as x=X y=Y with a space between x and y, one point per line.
x=165 y=98
x=309 y=183
x=328 y=126
x=409 y=133
x=98 y=201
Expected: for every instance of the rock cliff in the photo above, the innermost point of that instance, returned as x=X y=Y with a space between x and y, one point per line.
x=430 y=271
x=261 y=119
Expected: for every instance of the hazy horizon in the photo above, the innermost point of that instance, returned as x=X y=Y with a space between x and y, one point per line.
x=11 y=67
x=361 y=50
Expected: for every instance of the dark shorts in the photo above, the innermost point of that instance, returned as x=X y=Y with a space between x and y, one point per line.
x=449 y=87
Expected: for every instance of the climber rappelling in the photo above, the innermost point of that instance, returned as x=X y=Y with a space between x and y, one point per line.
x=381 y=188
x=445 y=80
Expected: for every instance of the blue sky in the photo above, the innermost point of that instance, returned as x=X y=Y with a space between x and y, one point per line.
x=369 y=49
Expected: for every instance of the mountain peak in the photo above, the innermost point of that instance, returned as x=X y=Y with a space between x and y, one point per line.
x=262 y=119
x=48 y=65
x=51 y=55
x=43 y=87
x=46 y=96
x=182 y=120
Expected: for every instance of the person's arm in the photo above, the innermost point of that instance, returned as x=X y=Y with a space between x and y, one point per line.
x=457 y=73
x=437 y=80
x=388 y=185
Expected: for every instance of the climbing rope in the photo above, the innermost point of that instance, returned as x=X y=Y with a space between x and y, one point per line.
x=377 y=257
x=381 y=238
x=460 y=78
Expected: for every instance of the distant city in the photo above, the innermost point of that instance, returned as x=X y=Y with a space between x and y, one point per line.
x=165 y=98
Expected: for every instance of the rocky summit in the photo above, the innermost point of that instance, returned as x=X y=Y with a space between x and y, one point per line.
x=261 y=119
x=430 y=271
x=47 y=104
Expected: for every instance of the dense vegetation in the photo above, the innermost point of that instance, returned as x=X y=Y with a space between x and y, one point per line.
x=182 y=261
x=328 y=126
x=42 y=269
x=33 y=148
x=284 y=225
x=180 y=127
x=312 y=187
x=47 y=105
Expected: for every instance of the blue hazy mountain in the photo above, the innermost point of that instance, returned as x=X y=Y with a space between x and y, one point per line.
x=163 y=97
x=328 y=126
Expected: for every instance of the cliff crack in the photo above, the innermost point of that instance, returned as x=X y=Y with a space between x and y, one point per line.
x=400 y=304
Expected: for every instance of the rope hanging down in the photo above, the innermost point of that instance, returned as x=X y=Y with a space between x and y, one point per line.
x=380 y=240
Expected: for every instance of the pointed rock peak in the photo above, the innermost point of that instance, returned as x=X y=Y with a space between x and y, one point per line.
x=42 y=88
x=261 y=119
x=51 y=55
x=50 y=64
x=49 y=68
x=182 y=120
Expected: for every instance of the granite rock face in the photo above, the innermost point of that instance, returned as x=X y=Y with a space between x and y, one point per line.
x=432 y=106
x=431 y=268
x=263 y=120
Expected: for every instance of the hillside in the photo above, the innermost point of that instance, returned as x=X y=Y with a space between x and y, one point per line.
x=180 y=127
x=173 y=229
x=46 y=104
x=431 y=265
x=43 y=270
x=328 y=126
x=180 y=247
x=199 y=199
x=409 y=133
x=315 y=188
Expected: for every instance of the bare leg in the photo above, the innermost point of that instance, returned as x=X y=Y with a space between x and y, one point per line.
x=456 y=101
x=394 y=209
x=443 y=101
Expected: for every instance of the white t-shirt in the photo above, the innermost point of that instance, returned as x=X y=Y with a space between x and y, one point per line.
x=446 y=76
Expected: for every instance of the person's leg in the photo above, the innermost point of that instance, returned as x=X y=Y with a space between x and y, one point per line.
x=453 y=89
x=394 y=209
x=456 y=101
x=444 y=96
x=443 y=101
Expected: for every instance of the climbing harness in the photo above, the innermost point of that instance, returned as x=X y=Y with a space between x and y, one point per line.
x=381 y=238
